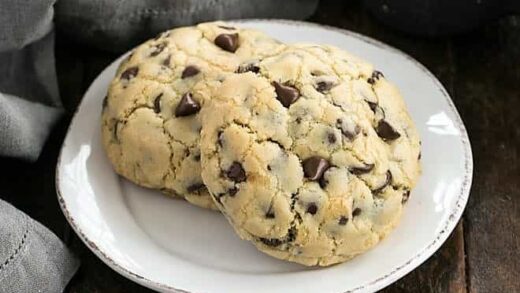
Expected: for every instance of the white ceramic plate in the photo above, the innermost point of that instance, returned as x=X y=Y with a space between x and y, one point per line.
x=170 y=245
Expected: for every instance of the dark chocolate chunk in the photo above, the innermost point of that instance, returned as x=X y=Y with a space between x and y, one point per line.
x=158 y=49
x=388 y=180
x=361 y=170
x=271 y=241
x=343 y=220
x=406 y=196
x=331 y=137
x=386 y=131
x=248 y=68
x=314 y=167
x=236 y=172
x=195 y=187
x=190 y=71
x=187 y=106
x=130 y=73
x=324 y=86
x=286 y=94
x=269 y=167
x=375 y=76
x=197 y=158
x=356 y=212
x=227 y=42
x=233 y=191
x=157 y=103
x=312 y=208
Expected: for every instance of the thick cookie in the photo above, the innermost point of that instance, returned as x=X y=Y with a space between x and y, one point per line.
x=150 y=121
x=311 y=157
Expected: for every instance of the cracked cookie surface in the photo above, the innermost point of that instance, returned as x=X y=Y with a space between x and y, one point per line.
x=311 y=156
x=150 y=120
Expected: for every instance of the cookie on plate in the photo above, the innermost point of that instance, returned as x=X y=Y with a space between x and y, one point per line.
x=312 y=156
x=150 y=121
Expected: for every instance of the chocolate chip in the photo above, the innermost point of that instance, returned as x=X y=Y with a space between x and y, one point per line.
x=388 y=180
x=356 y=212
x=298 y=120
x=314 y=167
x=236 y=172
x=361 y=170
x=269 y=167
x=331 y=137
x=229 y=28
x=158 y=49
x=187 y=106
x=343 y=220
x=286 y=94
x=166 y=62
x=197 y=158
x=324 y=86
x=375 y=76
x=419 y=156
x=248 y=68
x=271 y=241
x=406 y=196
x=291 y=235
x=312 y=208
x=130 y=73
x=190 y=71
x=157 y=103
x=233 y=191
x=227 y=42
x=195 y=187
x=386 y=131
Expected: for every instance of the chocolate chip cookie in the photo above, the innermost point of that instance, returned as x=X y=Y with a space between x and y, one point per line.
x=150 y=120
x=310 y=154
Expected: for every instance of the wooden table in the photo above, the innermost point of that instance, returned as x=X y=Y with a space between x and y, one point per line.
x=480 y=70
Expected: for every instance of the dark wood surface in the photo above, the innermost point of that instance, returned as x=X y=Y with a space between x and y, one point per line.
x=480 y=70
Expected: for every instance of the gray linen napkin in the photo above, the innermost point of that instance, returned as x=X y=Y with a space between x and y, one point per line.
x=32 y=258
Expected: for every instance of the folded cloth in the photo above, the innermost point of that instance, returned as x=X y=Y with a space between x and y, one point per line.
x=119 y=25
x=29 y=97
x=32 y=258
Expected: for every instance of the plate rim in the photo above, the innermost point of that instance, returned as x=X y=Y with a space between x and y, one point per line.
x=397 y=272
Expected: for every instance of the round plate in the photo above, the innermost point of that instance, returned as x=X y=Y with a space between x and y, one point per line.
x=170 y=245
